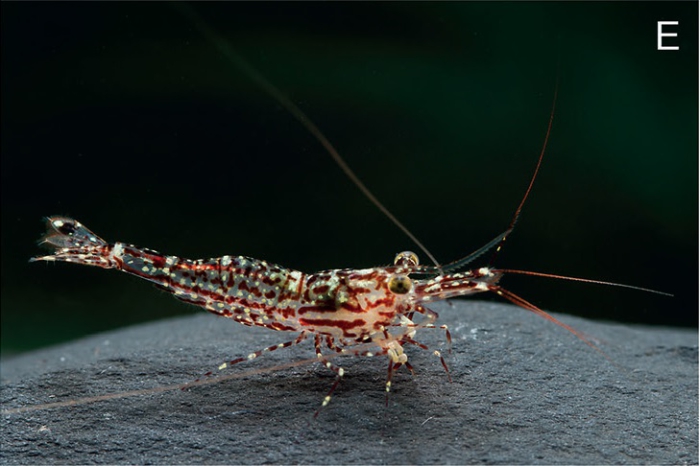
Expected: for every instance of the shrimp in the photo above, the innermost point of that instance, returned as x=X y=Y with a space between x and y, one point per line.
x=342 y=308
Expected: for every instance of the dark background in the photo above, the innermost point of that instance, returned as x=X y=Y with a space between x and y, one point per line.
x=123 y=116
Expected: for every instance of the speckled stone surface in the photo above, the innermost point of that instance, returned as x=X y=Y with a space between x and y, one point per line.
x=523 y=391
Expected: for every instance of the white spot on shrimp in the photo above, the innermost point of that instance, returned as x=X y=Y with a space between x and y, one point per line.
x=118 y=250
x=481 y=287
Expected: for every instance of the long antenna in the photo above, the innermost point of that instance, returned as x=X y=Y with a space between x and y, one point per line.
x=583 y=280
x=224 y=47
x=516 y=216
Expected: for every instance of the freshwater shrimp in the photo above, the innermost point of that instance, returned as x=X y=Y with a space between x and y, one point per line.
x=344 y=309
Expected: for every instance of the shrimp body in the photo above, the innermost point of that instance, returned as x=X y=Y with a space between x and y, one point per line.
x=346 y=305
x=366 y=312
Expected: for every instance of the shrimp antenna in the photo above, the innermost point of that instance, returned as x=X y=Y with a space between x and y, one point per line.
x=583 y=280
x=225 y=48
x=516 y=215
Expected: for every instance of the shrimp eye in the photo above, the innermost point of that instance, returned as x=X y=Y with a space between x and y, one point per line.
x=406 y=258
x=400 y=284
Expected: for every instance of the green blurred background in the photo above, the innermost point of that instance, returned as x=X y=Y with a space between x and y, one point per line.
x=123 y=116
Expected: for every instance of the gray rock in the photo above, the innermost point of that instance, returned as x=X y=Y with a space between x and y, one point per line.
x=523 y=391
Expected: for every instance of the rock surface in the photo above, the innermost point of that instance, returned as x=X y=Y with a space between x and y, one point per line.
x=523 y=391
